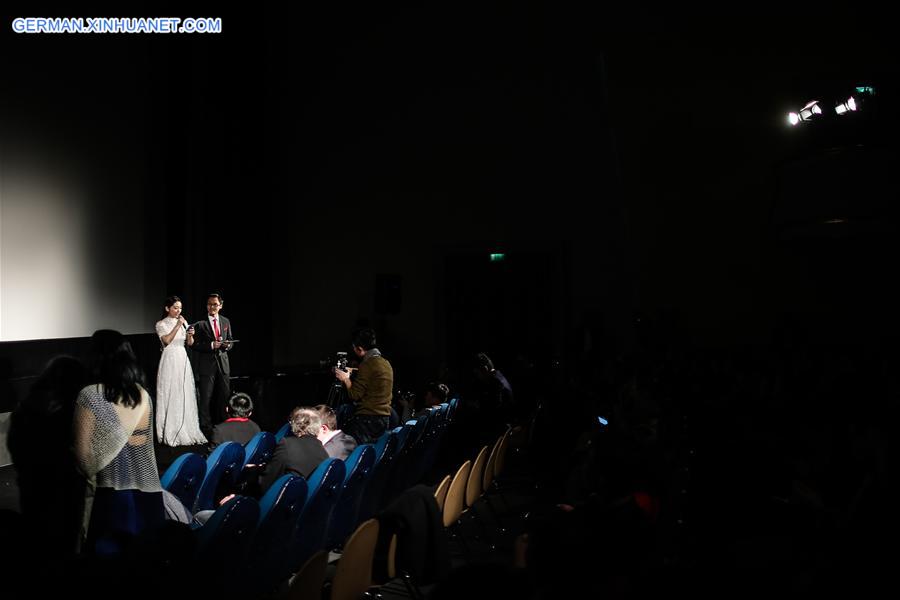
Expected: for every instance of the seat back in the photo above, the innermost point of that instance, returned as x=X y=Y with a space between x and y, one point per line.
x=385 y=450
x=312 y=525
x=279 y=509
x=358 y=467
x=453 y=406
x=283 y=431
x=307 y=583
x=444 y=412
x=222 y=540
x=440 y=494
x=473 y=485
x=418 y=428
x=391 y=566
x=418 y=450
x=258 y=451
x=222 y=469
x=432 y=443
x=385 y=445
x=403 y=457
x=456 y=495
x=184 y=477
x=402 y=433
x=488 y=477
x=353 y=575
x=502 y=451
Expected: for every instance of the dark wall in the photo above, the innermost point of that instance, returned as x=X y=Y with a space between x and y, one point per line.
x=322 y=170
x=711 y=170
x=22 y=362
x=416 y=152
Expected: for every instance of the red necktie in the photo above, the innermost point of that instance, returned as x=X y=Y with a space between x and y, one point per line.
x=216 y=326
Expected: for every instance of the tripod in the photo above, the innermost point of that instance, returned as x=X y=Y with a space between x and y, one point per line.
x=337 y=394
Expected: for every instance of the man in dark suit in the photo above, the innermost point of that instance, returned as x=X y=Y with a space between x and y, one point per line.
x=212 y=341
x=300 y=453
x=337 y=443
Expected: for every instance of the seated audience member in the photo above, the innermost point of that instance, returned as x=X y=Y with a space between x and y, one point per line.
x=495 y=387
x=493 y=397
x=413 y=407
x=237 y=427
x=300 y=453
x=435 y=395
x=403 y=405
x=336 y=443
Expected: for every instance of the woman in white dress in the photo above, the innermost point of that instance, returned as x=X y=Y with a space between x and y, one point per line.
x=177 y=423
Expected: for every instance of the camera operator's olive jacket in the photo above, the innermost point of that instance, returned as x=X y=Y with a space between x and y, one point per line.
x=373 y=385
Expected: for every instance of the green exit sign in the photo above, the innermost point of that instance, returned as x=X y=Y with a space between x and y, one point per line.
x=497 y=256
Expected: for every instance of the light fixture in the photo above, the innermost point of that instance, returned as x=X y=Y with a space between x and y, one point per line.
x=845 y=107
x=806 y=113
x=811 y=109
x=856 y=100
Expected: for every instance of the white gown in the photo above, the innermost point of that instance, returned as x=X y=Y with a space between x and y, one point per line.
x=177 y=423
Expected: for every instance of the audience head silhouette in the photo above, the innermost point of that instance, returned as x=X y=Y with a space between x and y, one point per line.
x=365 y=339
x=114 y=365
x=240 y=405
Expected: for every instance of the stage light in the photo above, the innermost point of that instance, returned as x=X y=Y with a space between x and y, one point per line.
x=806 y=113
x=845 y=107
x=810 y=110
x=857 y=101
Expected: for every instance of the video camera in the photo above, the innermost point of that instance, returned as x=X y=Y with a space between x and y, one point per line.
x=340 y=361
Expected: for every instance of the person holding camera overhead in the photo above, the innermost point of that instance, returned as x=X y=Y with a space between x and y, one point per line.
x=212 y=341
x=370 y=389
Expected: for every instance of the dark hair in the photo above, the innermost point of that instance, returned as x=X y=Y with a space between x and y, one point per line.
x=114 y=365
x=240 y=405
x=438 y=390
x=365 y=338
x=170 y=301
x=216 y=296
x=483 y=362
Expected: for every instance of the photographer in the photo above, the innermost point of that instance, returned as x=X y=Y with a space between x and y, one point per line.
x=370 y=389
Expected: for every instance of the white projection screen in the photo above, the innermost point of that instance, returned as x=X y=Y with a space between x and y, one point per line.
x=80 y=234
x=72 y=252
